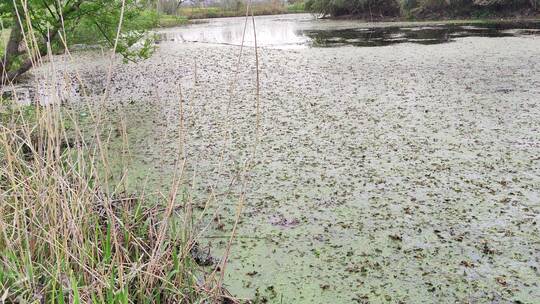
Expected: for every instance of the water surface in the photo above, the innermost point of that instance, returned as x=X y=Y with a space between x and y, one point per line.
x=302 y=30
x=407 y=173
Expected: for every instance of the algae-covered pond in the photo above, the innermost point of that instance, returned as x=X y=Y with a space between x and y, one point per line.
x=403 y=173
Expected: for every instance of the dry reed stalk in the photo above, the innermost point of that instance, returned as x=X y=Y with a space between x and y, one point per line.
x=61 y=202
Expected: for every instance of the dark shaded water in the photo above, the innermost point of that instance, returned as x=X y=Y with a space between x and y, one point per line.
x=382 y=36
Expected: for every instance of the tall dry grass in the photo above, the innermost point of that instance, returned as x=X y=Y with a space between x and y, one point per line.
x=69 y=234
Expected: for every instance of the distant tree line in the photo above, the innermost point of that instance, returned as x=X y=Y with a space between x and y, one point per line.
x=172 y=7
x=418 y=8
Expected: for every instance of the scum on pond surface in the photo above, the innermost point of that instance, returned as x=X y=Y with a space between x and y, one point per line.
x=405 y=173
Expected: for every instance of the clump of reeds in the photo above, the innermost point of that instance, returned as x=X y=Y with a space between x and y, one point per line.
x=71 y=234
x=67 y=235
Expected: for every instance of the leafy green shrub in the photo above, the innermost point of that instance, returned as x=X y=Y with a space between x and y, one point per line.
x=385 y=8
x=297 y=7
x=84 y=21
x=170 y=20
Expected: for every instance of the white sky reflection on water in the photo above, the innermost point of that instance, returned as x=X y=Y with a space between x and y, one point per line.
x=271 y=32
x=304 y=30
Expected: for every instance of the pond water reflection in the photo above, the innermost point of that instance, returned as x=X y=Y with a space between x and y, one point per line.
x=303 y=30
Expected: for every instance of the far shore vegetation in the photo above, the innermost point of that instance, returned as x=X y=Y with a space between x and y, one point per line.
x=240 y=10
x=372 y=10
x=423 y=9
x=232 y=8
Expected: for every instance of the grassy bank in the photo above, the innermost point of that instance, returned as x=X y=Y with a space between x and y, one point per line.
x=171 y=21
x=70 y=234
x=70 y=231
x=258 y=9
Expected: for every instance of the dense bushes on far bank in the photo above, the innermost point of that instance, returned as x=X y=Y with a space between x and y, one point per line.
x=422 y=8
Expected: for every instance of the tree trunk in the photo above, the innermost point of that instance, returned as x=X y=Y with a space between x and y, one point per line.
x=12 y=50
x=7 y=73
x=9 y=76
x=178 y=7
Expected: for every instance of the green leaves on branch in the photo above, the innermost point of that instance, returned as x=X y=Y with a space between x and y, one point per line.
x=136 y=45
x=62 y=22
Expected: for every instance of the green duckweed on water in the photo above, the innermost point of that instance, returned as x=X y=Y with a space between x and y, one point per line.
x=406 y=173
